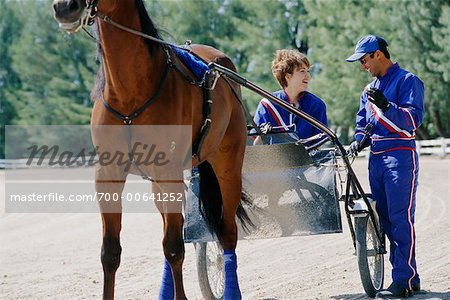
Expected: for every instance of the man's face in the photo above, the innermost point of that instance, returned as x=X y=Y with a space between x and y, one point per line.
x=370 y=63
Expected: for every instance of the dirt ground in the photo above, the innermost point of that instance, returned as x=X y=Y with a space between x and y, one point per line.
x=57 y=256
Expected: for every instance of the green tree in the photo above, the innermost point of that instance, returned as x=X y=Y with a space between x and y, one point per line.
x=10 y=27
x=441 y=55
x=416 y=31
x=56 y=70
x=422 y=30
x=334 y=27
x=49 y=72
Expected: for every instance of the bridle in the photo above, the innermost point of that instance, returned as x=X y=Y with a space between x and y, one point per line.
x=91 y=12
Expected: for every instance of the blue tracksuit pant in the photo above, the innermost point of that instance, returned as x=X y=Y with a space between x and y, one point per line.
x=393 y=179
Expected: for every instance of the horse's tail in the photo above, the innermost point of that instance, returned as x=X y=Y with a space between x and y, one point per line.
x=211 y=200
x=210 y=197
x=242 y=214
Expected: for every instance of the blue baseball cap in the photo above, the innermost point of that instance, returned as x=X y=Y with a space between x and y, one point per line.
x=367 y=44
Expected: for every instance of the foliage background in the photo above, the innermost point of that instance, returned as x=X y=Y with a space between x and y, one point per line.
x=46 y=74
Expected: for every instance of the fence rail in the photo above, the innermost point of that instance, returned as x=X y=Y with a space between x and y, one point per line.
x=439 y=147
x=36 y=163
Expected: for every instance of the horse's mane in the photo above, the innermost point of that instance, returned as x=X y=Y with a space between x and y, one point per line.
x=147 y=27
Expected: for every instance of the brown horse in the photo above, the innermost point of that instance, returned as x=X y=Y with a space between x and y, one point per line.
x=133 y=70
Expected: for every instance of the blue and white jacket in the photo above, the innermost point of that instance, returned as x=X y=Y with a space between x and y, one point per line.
x=309 y=103
x=395 y=128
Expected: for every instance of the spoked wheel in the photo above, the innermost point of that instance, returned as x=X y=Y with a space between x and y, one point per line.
x=210 y=270
x=370 y=261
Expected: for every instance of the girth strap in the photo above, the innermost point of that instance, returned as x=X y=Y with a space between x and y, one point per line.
x=209 y=81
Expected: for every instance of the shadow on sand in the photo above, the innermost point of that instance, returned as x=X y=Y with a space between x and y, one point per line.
x=425 y=294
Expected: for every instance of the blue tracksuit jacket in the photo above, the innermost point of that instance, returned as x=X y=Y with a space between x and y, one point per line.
x=393 y=164
x=393 y=129
x=277 y=116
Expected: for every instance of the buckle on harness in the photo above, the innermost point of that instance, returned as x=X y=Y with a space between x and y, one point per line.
x=187 y=44
x=210 y=79
x=127 y=121
x=205 y=124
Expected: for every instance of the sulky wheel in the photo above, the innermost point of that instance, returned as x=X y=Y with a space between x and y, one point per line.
x=370 y=261
x=210 y=270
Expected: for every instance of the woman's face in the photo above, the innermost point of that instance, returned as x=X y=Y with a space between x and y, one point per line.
x=299 y=79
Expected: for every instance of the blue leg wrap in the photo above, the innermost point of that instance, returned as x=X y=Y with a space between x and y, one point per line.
x=167 y=290
x=232 y=291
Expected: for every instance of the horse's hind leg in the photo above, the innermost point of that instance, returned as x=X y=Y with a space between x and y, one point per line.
x=228 y=169
x=231 y=192
x=227 y=165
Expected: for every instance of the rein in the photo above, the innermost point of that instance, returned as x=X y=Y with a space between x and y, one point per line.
x=92 y=13
x=108 y=20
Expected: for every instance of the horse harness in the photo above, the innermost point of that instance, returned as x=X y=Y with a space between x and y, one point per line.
x=207 y=83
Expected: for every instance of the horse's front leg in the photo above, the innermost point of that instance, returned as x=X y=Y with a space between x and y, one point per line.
x=111 y=251
x=109 y=193
x=173 y=243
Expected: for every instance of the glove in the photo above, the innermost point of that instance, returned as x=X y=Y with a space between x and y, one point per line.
x=353 y=149
x=376 y=97
x=266 y=128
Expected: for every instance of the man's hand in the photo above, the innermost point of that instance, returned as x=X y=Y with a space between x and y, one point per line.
x=353 y=149
x=376 y=97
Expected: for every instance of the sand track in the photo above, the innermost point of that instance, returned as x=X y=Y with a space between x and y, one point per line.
x=56 y=256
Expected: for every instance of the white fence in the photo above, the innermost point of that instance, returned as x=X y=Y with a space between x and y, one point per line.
x=439 y=147
x=24 y=163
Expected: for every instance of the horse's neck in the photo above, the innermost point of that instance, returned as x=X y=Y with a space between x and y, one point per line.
x=131 y=74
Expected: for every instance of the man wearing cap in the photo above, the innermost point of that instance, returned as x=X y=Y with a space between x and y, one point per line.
x=394 y=105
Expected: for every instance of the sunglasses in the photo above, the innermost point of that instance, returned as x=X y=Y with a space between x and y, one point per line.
x=364 y=59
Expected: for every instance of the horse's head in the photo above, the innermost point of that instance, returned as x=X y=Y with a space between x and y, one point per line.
x=70 y=14
x=73 y=14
